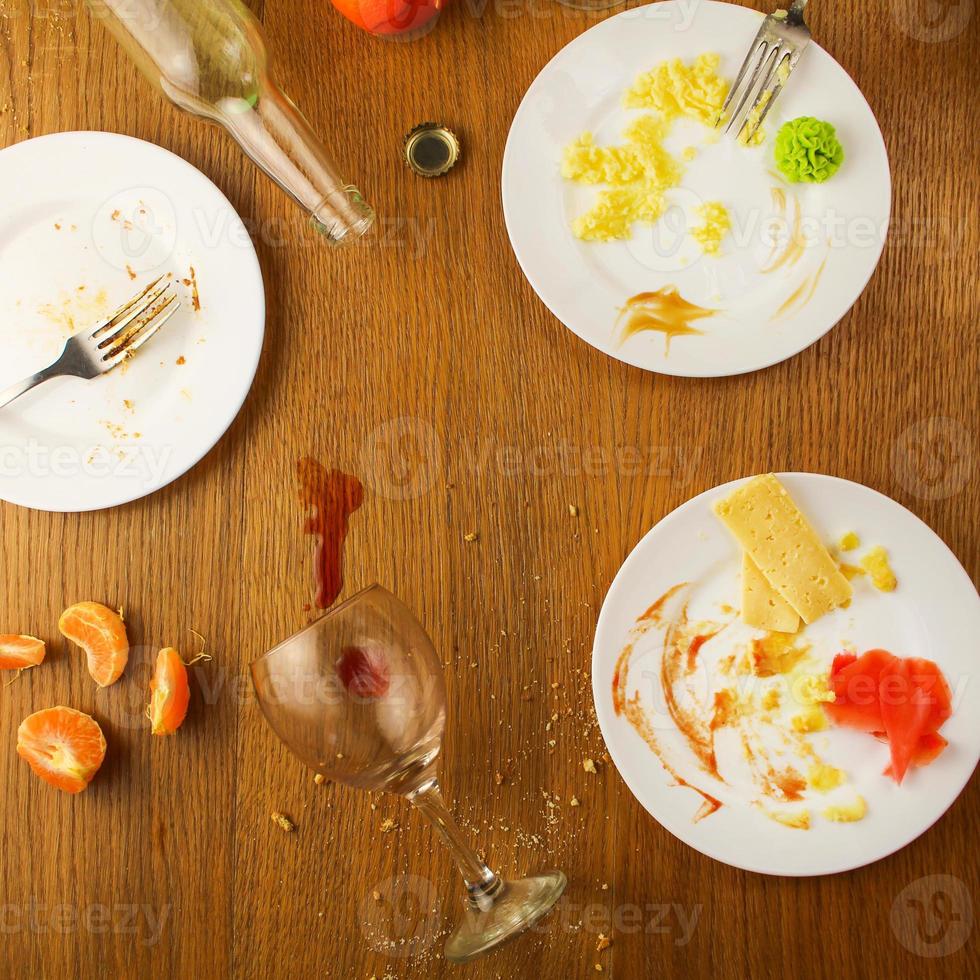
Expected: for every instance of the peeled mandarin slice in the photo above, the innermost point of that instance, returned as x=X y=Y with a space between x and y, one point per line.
x=101 y=633
x=63 y=746
x=170 y=693
x=17 y=651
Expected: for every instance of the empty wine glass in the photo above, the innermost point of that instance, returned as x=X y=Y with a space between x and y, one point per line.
x=359 y=697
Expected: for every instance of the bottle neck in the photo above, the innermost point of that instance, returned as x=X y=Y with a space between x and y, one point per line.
x=278 y=138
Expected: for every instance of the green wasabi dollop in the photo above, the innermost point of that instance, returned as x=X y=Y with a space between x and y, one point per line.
x=807 y=150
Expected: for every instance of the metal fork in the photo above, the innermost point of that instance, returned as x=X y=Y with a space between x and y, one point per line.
x=773 y=56
x=92 y=352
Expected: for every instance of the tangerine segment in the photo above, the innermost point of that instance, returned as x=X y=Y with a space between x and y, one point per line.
x=17 y=651
x=101 y=633
x=169 y=693
x=63 y=746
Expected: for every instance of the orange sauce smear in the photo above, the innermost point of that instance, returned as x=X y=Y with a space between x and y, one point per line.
x=663 y=311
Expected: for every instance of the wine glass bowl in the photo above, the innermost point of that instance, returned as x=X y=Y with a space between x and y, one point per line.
x=359 y=696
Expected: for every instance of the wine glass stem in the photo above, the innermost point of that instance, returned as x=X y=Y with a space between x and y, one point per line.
x=482 y=885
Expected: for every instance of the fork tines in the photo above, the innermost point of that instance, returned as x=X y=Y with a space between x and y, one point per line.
x=132 y=325
x=772 y=57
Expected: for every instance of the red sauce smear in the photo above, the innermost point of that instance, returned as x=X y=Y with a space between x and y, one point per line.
x=331 y=497
x=636 y=716
x=675 y=659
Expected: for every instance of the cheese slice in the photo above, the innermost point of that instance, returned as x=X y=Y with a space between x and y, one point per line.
x=789 y=554
x=762 y=606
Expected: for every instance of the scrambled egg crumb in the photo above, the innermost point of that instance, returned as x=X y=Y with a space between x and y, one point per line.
x=751 y=119
x=715 y=227
x=825 y=778
x=847 y=813
x=811 y=720
x=849 y=541
x=812 y=689
x=771 y=699
x=639 y=172
x=875 y=563
x=675 y=89
x=688 y=153
x=798 y=820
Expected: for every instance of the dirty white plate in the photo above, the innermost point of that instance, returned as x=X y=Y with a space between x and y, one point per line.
x=763 y=317
x=89 y=218
x=934 y=613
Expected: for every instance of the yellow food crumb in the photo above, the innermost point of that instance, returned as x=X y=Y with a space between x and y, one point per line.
x=639 y=172
x=825 y=778
x=849 y=541
x=775 y=653
x=771 y=699
x=751 y=119
x=283 y=822
x=715 y=227
x=811 y=720
x=797 y=819
x=812 y=689
x=847 y=813
x=875 y=563
x=849 y=571
x=688 y=153
x=675 y=89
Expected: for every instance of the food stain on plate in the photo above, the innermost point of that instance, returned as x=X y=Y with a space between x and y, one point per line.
x=794 y=247
x=331 y=497
x=721 y=724
x=662 y=311
x=803 y=293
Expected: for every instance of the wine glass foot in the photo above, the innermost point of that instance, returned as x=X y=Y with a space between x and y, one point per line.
x=518 y=906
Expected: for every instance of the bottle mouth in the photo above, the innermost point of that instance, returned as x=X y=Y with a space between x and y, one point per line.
x=343 y=217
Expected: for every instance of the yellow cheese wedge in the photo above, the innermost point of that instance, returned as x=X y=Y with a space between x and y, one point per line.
x=779 y=539
x=762 y=605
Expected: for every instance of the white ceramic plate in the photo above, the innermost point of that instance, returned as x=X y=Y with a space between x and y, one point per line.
x=934 y=613
x=88 y=219
x=585 y=284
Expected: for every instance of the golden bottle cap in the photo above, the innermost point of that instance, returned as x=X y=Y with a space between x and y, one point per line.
x=431 y=149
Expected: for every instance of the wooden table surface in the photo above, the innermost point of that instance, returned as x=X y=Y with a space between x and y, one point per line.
x=423 y=363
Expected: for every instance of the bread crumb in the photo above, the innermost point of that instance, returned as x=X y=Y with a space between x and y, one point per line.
x=588 y=765
x=283 y=822
x=471 y=536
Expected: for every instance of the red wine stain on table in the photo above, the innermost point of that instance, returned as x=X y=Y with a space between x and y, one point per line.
x=330 y=497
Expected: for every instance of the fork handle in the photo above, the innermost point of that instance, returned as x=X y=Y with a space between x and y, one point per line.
x=15 y=391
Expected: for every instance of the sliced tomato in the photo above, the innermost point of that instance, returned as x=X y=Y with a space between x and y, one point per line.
x=930 y=746
x=901 y=701
x=905 y=710
x=932 y=686
x=854 y=681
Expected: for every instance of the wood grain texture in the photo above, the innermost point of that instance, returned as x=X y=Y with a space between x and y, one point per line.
x=423 y=363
